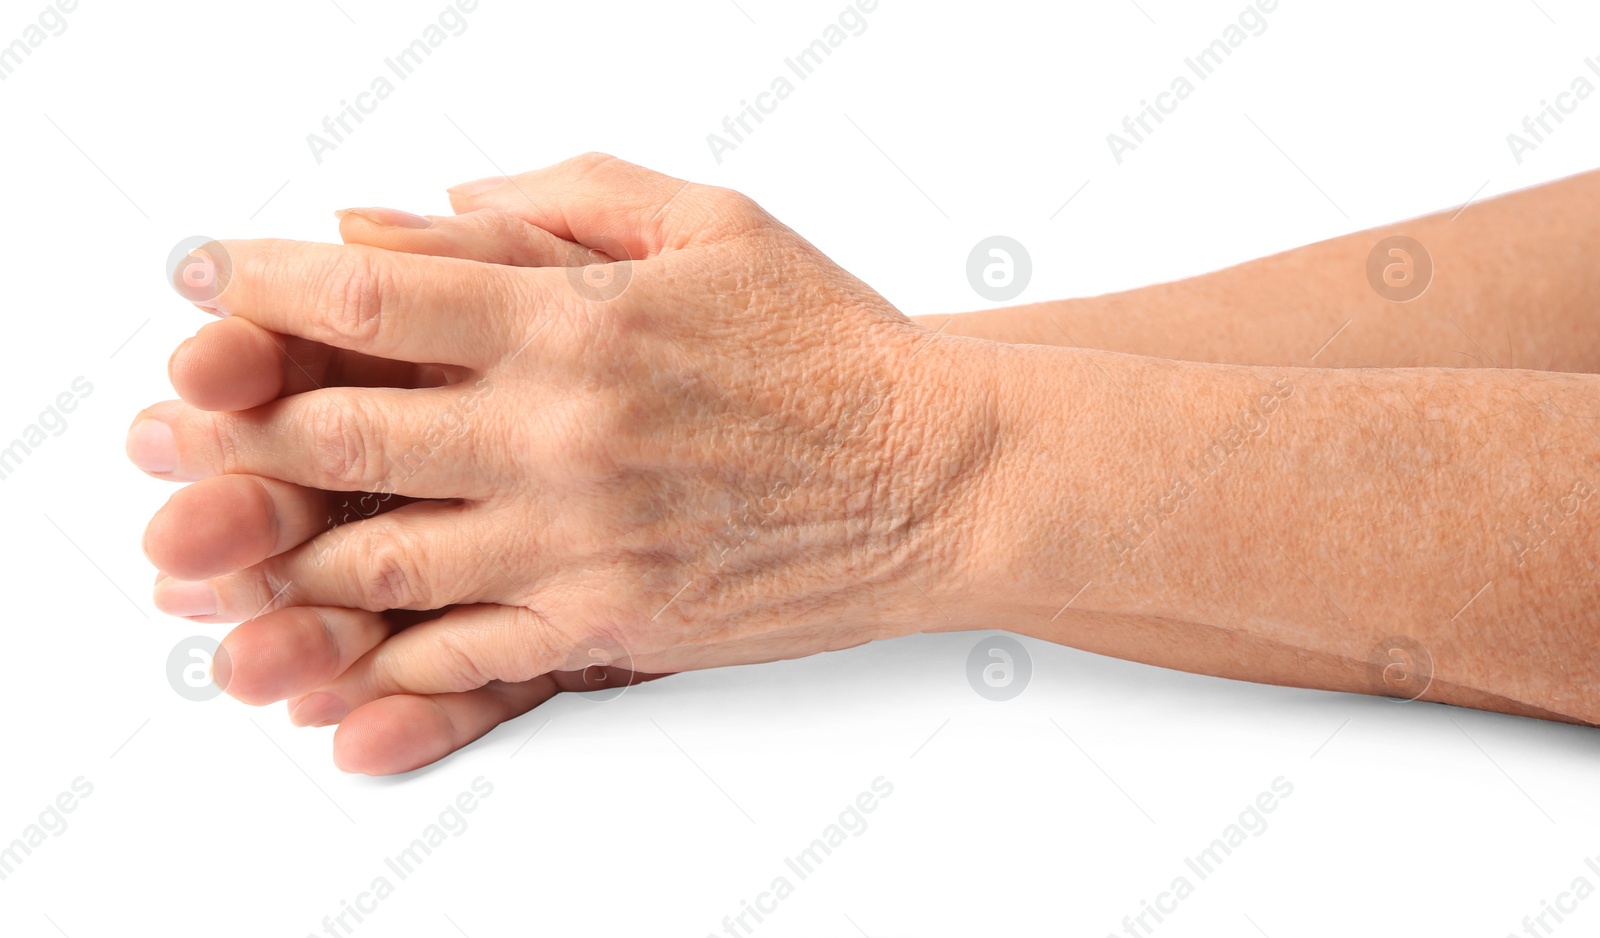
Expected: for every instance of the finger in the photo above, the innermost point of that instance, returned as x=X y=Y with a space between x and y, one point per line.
x=466 y=648
x=463 y=651
x=409 y=442
x=234 y=364
x=488 y=235
x=292 y=651
x=425 y=555
x=405 y=307
x=231 y=522
x=404 y=732
x=602 y=202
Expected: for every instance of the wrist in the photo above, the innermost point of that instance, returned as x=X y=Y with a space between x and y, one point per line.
x=997 y=415
x=1064 y=422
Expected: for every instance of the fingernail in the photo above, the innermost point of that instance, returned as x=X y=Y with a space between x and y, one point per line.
x=388 y=217
x=319 y=709
x=197 y=280
x=151 y=447
x=186 y=598
x=221 y=667
x=478 y=186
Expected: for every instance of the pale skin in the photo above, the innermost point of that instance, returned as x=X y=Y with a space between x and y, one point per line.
x=747 y=454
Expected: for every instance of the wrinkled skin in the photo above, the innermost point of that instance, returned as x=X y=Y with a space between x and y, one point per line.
x=709 y=446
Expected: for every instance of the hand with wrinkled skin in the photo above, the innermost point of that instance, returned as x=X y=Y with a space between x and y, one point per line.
x=718 y=448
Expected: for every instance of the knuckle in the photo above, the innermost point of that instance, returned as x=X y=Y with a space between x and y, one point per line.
x=342 y=445
x=222 y=431
x=591 y=160
x=727 y=198
x=278 y=588
x=732 y=209
x=486 y=234
x=535 y=647
x=487 y=223
x=393 y=577
x=220 y=434
x=456 y=662
x=499 y=229
x=349 y=298
x=607 y=171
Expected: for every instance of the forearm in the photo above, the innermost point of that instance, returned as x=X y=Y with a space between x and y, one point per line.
x=1515 y=284
x=1277 y=524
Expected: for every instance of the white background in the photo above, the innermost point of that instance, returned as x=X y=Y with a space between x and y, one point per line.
x=659 y=813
